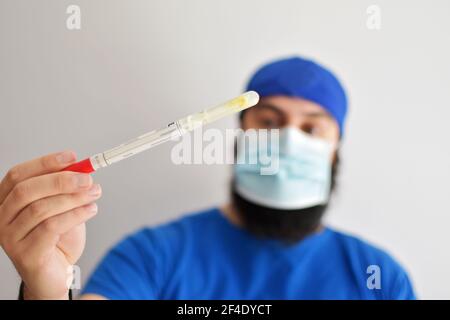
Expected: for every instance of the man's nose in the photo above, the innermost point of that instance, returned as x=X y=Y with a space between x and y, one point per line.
x=292 y=121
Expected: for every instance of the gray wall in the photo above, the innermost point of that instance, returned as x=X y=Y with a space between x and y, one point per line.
x=136 y=65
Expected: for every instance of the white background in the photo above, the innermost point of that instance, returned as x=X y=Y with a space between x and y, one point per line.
x=137 y=65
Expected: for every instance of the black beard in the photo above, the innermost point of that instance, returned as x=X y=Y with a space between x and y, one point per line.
x=289 y=226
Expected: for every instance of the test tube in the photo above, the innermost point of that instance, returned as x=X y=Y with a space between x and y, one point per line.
x=171 y=131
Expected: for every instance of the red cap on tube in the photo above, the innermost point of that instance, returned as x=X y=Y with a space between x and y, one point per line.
x=83 y=166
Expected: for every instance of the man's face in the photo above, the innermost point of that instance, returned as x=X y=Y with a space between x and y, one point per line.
x=276 y=112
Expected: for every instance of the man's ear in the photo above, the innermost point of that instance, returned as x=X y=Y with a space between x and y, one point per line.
x=335 y=157
x=235 y=150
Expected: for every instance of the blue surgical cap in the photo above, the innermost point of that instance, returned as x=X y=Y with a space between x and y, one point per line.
x=298 y=77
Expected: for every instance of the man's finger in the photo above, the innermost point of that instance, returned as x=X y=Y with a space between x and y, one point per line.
x=40 y=187
x=46 y=208
x=39 y=166
x=47 y=234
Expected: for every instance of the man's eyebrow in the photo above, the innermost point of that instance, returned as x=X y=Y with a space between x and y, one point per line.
x=312 y=114
x=316 y=114
x=271 y=107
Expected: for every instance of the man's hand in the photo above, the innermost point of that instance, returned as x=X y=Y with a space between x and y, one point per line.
x=42 y=221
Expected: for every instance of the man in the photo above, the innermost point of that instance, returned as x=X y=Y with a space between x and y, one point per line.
x=268 y=243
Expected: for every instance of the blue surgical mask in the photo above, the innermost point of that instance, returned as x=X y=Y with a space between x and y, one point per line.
x=303 y=170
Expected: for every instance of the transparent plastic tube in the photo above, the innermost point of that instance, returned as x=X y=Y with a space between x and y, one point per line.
x=171 y=131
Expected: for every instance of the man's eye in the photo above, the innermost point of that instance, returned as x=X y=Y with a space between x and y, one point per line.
x=269 y=123
x=309 y=129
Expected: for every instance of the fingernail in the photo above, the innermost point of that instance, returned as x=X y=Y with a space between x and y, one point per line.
x=83 y=180
x=95 y=190
x=65 y=157
x=92 y=208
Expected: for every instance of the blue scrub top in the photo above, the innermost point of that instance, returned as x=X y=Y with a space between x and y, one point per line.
x=204 y=256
